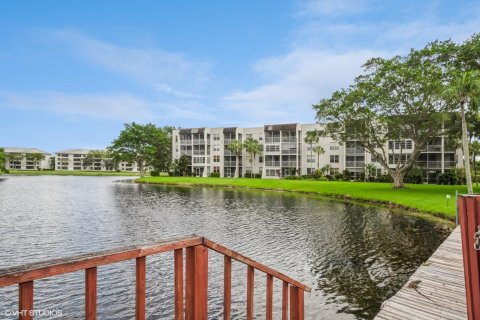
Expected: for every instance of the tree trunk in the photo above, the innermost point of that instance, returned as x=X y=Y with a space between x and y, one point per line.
x=398 y=180
x=251 y=166
x=466 y=155
x=236 y=167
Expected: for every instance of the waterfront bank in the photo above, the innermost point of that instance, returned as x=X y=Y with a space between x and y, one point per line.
x=431 y=199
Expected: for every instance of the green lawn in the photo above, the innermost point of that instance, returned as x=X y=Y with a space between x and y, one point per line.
x=420 y=197
x=71 y=173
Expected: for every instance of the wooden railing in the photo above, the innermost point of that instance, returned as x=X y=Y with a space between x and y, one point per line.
x=190 y=295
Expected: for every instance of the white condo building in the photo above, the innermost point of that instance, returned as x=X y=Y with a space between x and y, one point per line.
x=26 y=159
x=72 y=159
x=285 y=153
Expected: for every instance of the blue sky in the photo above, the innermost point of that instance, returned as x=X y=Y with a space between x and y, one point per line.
x=72 y=72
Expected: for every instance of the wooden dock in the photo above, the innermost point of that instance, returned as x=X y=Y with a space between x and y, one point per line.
x=436 y=291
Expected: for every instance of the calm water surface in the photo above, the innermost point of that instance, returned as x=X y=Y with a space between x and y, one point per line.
x=353 y=256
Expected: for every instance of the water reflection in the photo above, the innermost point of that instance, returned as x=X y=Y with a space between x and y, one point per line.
x=353 y=256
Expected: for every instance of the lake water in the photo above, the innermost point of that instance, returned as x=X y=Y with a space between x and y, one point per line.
x=353 y=256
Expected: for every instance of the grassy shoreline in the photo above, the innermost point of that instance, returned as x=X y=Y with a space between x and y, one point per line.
x=70 y=173
x=430 y=199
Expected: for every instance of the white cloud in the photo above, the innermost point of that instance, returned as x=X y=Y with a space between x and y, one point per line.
x=118 y=106
x=157 y=68
x=294 y=82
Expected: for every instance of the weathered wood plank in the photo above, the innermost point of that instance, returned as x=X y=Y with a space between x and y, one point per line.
x=436 y=291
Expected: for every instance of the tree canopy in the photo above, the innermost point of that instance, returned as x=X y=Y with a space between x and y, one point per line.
x=147 y=145
x=393 y=100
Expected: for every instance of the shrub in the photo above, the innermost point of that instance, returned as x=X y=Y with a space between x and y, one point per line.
x=323 y=179
x=215 y=175
x=292 y=178
x=361 y=176
x=306 y=176
x=338 y=176
x=347 y=175
x=154 y=173
x=329 y=177
x=451 y=177
x=384 y=178
x=415 y=175
x=317 y=174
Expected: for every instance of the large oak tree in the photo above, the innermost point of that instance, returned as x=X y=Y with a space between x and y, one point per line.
x=395 y=99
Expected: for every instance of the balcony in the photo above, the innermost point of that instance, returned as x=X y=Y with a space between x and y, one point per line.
x=186 y=152
x=434 y=148
x=198 y=152
x=272 y=163
x=354 y=164
x=186 y=142
x=289 y=139
x=198 y=141
x=436 y=164
x=289 y=151
x=289 y=164
x=272 y=140
x=231 y=164
x=355 y=150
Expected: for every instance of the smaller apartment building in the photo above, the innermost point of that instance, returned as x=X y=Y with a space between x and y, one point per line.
x=73 y=160
x=285 y=153
x=26 y=159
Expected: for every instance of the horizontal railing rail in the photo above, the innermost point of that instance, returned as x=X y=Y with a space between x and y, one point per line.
x=191 y=295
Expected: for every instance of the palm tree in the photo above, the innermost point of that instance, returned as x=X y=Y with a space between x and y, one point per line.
x=464 y=90
x=326 y=169
x=253 y=148
x=311 y=137
x=475 y=147
x=236 y=147
x=318 y=150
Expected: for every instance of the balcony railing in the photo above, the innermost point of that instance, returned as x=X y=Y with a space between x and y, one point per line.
x=289 y=139
x=185 y=141
x=190 y=299
x=186 y=152
x=198 y=152
x=272 y=163
x=435 y=148
x=354 y=164
x=355 y=150
x=289 y=151
x=289 y=164
x=231 y=164
x=436 y=164
x=272 y=139
x=198 y=141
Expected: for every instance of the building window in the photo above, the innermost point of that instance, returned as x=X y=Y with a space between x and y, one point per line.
x=216 y=158
x=216 y=147
x=216 y=169
x=334 y=158
x=334 y=146
x=334 y=171
x=310 y=159
x=260 y=159
x=216 y=136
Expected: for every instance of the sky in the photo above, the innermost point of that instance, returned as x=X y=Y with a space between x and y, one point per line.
x=73 y=72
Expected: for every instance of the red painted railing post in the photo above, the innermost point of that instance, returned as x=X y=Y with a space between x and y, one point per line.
x=469 y=211
x=25 y=303
x=91 y=293
x=197 y=283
